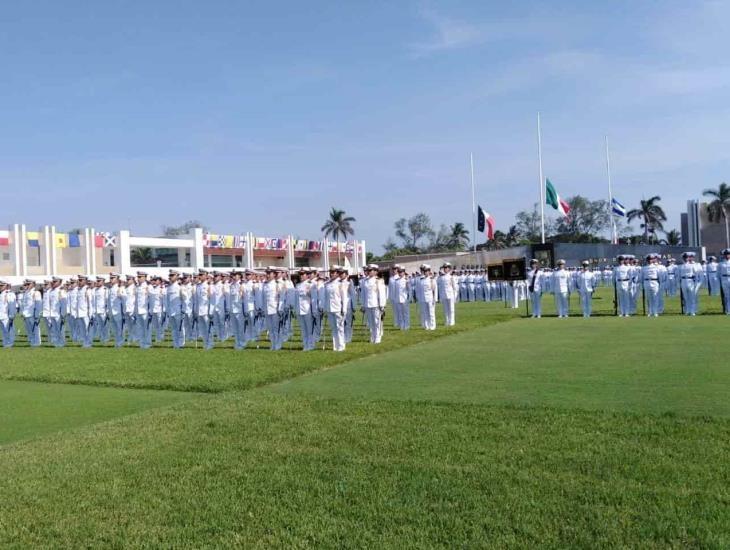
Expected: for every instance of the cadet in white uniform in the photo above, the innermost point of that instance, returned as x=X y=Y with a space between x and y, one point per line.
x=373 y=299
x=723 y=272
x=272 y=307
x=622 y=279
x=448 y=291
x=653 y=280
x=690 y=281
x=303 y=309
x=174 y=309
x=31 y=305
x=534 y=282
x=671 y=287
x=561 y=289
x=585 y=282
x=84 y=299
x=55 y=330
x=333 y=302
x=99 y=302
x=202 y=322
x=115 y=309
x=8 y=310
x=427 y=296
x=712 y=276
x=402 y=300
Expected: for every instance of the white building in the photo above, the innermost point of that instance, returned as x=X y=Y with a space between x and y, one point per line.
x=39 y=254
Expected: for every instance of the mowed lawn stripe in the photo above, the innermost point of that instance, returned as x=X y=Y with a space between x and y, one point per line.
x=665 y=365
x=258 y=470
x=223 y=368
x=30 y=409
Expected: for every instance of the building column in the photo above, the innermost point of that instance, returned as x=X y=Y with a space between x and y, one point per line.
x=363 y=255
x=123 y=253
x=46 y=250
x=54 y=251
x=289 y=258
x=23 y=248
x=248 y=253
x=197 y=258
x=325 y=255
x=15 y=249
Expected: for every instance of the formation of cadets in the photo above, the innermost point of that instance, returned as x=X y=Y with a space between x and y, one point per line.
x=634 y=284
x=212 y=307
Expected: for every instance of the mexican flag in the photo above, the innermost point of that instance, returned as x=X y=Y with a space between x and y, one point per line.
x=553 y=199
x=485 y=222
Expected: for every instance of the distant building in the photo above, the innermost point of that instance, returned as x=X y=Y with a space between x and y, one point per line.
x=698 y=230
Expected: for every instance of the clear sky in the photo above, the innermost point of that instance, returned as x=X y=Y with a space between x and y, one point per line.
x=260 y=116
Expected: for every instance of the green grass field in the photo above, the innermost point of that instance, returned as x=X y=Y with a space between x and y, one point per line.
x=507 y=432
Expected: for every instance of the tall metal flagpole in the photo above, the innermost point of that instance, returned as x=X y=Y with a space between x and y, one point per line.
x=614 y=237
x=473 y=206
x=542 y=181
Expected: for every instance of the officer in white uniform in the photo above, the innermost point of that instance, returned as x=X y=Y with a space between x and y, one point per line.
x=712 y=276
x=334 y=302
x=671 y=277
x=690 y=281
x=31 y=306
x=402 y=299
x=622 y=279
x=585 y=283
x=84 y=306
x=174 y=309
x=348 y=289
x=202 y=323
x=373 y=300
x=448 y=291
x=8 y=310
x=272 y=307
x=234 y=306
x=723 y=272
x=99 y=302
x=303 y=308
x=187 y=306
x=653 y=280
x=248 y=306
x=535 y=288
x=53 y=295
x=115 y=309
x=561 y=289
x=427 y=296
x=141 y=311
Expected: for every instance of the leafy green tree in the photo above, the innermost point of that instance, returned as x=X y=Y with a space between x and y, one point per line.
x=672 y=238
x=719 y=208
x=651 y=214
x=339 y=226
x=182 y=229
x=410 y=231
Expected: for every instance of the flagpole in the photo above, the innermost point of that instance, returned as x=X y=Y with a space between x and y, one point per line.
x=473 y=206
x=614 y=237
x=542 y=181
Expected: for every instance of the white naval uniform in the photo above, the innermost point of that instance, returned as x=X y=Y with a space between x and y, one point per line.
x=142 y=315
x=713 y=278
x=101 y=328
x=202 y=320
x=272 y=298
x=187 y=306
x=175 y=316
x=402 y=302
x=8 y=310
x=427 y=296
x=690 y=281
x=561 y=289
x=585 y=283
x=651 y=280
x=534 y=280
x=115 y=310
x=31 y=307
x=303 y=310
x=83 y=316
x=334 y=302
x=373 y=298
x=55 y=334
x=723 y=272
x=448 y=291
x=349 y=291
x=622 y=280
x=129 y=302
x=237 y=325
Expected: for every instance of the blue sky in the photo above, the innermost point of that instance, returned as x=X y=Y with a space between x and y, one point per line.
x=262 y=115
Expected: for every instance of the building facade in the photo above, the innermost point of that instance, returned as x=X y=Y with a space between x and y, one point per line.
x=43 y=253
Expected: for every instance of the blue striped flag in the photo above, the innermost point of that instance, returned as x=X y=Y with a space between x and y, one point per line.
x=618 y=208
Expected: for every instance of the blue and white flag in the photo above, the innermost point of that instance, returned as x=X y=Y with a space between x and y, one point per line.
x=618 y=208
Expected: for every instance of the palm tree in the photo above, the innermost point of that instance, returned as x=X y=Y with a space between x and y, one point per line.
x=651 y=213
x=338 y=225
x=720 y=207
x=672 y=238
x=459 y=237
